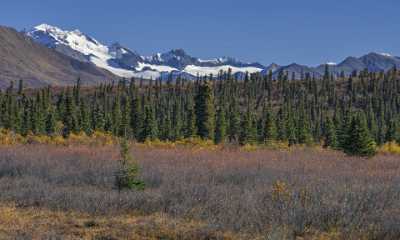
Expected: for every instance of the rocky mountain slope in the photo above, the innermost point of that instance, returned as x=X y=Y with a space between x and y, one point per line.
x=37 y=65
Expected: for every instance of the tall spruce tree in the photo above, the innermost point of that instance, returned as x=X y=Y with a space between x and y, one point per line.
x=136 y=116
x=220 y=130
x=68 y=115
x=205 y=113
x=330 y=139
x=50 y=122
x=190 y=125
x=270 y=131
x=359 y=141
x=391 y=133
x=149 y=131
x=234 y=122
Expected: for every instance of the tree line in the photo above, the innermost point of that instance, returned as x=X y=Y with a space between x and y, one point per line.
x=351 y=113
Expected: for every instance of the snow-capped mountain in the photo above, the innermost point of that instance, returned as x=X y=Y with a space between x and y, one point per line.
x=124 y=62
x=23 y=59
x=81 y=47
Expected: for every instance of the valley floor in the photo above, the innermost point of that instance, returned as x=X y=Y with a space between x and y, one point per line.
x=68 y=192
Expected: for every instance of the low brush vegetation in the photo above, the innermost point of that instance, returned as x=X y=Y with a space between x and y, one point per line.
x=190 y=192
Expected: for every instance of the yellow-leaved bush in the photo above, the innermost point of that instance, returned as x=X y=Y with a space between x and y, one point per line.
x=390 y=147
x=96 y=138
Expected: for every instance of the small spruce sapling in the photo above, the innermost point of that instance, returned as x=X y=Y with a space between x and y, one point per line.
x=127 y=175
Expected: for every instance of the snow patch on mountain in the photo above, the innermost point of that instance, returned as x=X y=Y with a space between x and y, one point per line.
x=197 y=70
x=117 y=71
x=214 y=60
x=386 y=54
x=159 y=68
x=148 y=74
x=208 y=60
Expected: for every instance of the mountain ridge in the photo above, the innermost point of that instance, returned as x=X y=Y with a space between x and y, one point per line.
x=48 y=56
x=124 y=62
x=37 y=65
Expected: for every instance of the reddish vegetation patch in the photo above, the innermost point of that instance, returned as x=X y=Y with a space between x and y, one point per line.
x=278 y=193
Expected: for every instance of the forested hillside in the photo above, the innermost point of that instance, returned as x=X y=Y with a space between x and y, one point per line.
x=353 y=113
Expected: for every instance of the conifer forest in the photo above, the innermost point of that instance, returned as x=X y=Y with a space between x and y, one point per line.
x=356 y=113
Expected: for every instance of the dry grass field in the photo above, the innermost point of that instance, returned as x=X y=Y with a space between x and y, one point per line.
x=58 y=192
x=38 y=223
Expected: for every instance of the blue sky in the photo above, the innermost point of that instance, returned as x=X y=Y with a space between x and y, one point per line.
x=304 y=31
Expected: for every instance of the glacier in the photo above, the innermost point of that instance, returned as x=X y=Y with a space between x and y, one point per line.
x=123 y=62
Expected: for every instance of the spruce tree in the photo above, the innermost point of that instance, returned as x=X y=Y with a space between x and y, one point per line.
x=246 y=135
x=270 y=131
x=136 y=116
x=281 y=124
x=149 y=131
x=97 y=118
x=50 y=122
x=303 y=130
x=190 y=125
x=69 y=115
x=220 y=130
x=25 y=122
x=116 y=117
x=127 y=175
x=205 y=113
x=330 y=139
x=166 y=127
x=343 y=131
x=359 y=141
x=177 y=122
x=84 y=118
x=124 y=129
x=291 y=131
x=391 y=133
x=234 y=122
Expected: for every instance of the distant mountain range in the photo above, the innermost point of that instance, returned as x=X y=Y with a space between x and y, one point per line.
x=49 y=55
x=127 y=63
x=124 y=62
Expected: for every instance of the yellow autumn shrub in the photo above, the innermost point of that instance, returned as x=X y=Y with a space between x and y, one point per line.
x=390 y=148
x=196 y=143
x=10 y=138
x=249 y=147
x=97 y=139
